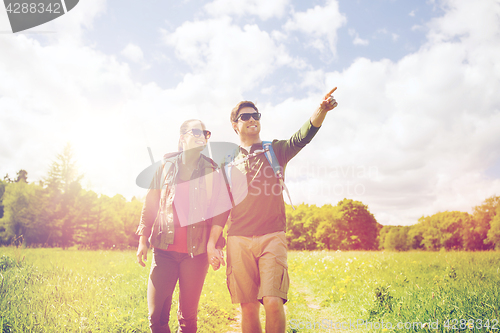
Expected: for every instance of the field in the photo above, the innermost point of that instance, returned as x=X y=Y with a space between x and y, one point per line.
x=54 y=290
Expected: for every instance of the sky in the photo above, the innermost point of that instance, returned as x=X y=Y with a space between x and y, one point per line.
x=416 y=132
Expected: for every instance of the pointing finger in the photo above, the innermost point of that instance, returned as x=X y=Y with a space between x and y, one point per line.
x=331 y=92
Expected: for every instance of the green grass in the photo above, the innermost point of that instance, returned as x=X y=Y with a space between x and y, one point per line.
x=414 y=287
x=54 y=290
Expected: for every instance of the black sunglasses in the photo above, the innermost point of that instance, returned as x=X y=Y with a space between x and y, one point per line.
x=198 y=132
x=246 y=116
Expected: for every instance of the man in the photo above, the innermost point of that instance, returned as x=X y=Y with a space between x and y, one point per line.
x=256 y=245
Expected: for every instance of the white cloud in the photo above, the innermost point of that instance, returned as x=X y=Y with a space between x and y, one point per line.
x=313 y=79
x=62 y=94
x=428 y=122
x=425 y=127
x=133 y=53
x=241 y=63
x=357 y=40
x=393 y=35
x=321 y=23
x=70 y=27
x=264 y=9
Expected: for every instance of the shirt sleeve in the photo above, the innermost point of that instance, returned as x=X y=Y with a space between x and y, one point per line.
x=285 y=150
x=151 y=205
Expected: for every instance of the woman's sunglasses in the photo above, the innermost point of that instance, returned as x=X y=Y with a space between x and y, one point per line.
x=198 y=132
x=246 y=116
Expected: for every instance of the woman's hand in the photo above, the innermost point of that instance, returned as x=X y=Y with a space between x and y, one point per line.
x=142 y=251
x=215 y=257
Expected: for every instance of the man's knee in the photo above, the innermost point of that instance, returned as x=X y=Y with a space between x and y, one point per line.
x=250 y=308
x=273 y=303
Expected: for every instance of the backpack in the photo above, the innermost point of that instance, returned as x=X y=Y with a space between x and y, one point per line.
x=267 y=149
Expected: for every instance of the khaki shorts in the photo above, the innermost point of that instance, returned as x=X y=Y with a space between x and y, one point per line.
x=257 y=267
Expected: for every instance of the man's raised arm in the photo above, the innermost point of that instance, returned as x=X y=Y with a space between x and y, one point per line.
x=326 y=105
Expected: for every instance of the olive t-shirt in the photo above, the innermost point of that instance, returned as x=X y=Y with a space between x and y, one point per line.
x=259 y=206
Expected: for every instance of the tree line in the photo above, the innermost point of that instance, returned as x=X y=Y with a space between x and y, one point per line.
x=448 y=230
x=350 y=226
x=58 y=212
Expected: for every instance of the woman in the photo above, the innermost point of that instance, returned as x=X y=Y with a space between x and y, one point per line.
x=176 y=220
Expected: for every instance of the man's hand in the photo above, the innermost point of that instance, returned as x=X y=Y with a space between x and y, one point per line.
x=329 y=103
x=326 y=105
x=215 y=257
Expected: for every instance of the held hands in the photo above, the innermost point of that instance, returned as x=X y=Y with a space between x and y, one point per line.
x=215 y=258
x=328 y=103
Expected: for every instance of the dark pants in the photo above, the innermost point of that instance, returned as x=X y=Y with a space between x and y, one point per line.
x=168 y=267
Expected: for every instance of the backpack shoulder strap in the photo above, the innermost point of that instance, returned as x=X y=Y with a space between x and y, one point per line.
x=273 y=161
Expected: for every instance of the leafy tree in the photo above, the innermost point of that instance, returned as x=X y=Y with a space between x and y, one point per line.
x=494 y=232
x=3 y=184
x=22 y=176
x=68 y=213
x=22 y=213
x=87 y=205
x=332 y=230
x=362 y=228
x=415 y=237
x=63 y=187
x=483 y=215
x=347 y=226
x=394 y=238
x=130 y=217
x=301 y=227
x=108 y=231
x=444 y=230
x=63 y=171
x=382 y=234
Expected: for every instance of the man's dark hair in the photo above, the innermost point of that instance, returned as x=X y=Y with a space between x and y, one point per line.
x=243 y=104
